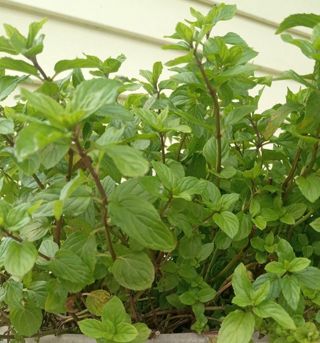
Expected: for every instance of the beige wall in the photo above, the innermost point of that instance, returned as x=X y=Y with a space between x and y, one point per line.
x=136 y=28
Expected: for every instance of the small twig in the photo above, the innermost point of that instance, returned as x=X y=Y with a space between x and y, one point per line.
x=133 y=310
x=259 y=139
x=223 y=288
x=303 y=219
x=58 y=230
x=70 y=165
x=166 y=206
x=104 y=200
x=37 y=180
x=234 y=260
x=289 y=178
x=163 y=147
x=182 y=141
x=41 y=71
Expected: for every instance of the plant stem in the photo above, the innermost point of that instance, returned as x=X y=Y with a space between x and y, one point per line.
x=259 y=139
x=37 y=180
x=104 y=200
x=37 y=65
x=303 y=219
x=182 y=141
x=213 y=258
x=58 y=230
x=216 y=111
x=70 y=165
x=163 y=151
x=289 y=178
x=235 y=259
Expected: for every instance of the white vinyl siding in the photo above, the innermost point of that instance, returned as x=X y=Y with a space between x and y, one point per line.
x=136 y=28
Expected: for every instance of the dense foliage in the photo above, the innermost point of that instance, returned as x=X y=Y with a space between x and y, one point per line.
x=164 y=204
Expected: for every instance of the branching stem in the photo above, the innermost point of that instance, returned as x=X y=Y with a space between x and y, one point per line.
x=104 y=200
x=216 y=112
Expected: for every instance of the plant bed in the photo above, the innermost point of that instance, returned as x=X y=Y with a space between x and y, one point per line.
x=130 y=207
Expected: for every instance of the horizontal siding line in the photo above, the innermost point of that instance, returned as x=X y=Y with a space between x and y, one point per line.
x=104 y=28
x=69 y=19
x=255 y=18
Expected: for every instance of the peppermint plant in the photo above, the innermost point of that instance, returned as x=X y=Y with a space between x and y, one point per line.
x=132 y=206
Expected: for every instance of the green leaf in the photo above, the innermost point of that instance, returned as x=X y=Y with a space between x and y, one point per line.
x=20 y=258
x=310 y=120
x=270 y=309
x=95 y=329
x=91 y=95
x=291 y=290
x=34 y=29
x=189 y=246
x=309 y=277
x=115 y=312
x=143 y=333
x=18 y=65
x=114 y=111
x=8 y=84
x=316 y=224
x=188 y=298
x=37 y=293
x=84 y=245
x=221 y=12
x=35 y=137
x=298 y=264
x=260 y=294
x=17 y=40
x=301 y=19
x=6 y=126
x=275 y=268
x=236 y=115
x=26 y=320
x=140 y=221
x=47 y=247
x=6 y=46
x=285 y=251
x=260 y=222
x=205 y=251
x=309 y=186
x=241 y=285
x=53 y=153
x=76 y=63
x=184 y=32
x=57 y=297
x=134 y=271
x=156 y=72
x=206 y=294
x=165 y=174
x=227 y=222
x=128 y=160
x=277 y=117
x=305 y=46
x=49 y=108
x=237 y=327
x=125 y=332
x=69 y=266
x=96 y=301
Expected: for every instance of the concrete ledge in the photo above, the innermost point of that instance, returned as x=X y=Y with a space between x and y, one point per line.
x=165 y=338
